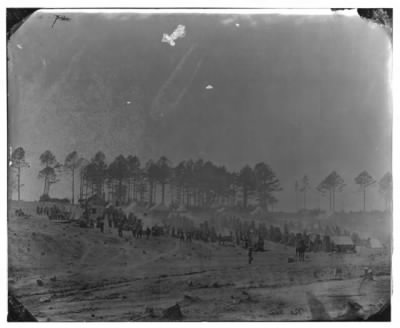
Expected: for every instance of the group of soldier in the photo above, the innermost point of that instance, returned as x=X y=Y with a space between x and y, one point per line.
x=19 y=212
x=241 y=232
x=249 y=236
x=248 y=231
x=118 y=219
x=50 y=211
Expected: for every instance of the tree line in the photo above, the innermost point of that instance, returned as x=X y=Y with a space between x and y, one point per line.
x=195 y=184
x=334 y=183
x=199 y=183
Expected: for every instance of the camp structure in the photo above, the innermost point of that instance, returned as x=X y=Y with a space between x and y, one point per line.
x=94 y=207
x=181 y=209
x=342 y=244
x=225 y=236
x=258 y=212
x=220 y=210
x=76 y=213
x=131 y=208
x=374 y=243
x=159 y=209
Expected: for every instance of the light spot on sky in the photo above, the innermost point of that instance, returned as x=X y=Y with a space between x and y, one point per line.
x=209 y=87
x=237 y=24
x=19 y=46
x=128 y=102
x=228 y=21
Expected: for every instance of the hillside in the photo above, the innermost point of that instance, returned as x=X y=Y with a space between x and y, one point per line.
x=61 y=272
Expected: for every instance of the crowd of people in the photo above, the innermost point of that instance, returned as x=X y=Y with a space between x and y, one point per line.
x=52 y=212
x=224 y=229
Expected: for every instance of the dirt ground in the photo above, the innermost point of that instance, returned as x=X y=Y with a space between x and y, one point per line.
x=62 y=272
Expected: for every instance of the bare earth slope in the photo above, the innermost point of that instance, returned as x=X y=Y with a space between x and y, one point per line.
x=61 y=272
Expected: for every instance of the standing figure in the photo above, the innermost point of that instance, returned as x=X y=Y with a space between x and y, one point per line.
x=121 y=224
x=250 y=254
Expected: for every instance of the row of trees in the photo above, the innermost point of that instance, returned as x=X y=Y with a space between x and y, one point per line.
x=334 y=183
x=191 y=183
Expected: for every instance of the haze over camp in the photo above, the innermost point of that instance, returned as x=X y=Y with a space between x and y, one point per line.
x=219 y=167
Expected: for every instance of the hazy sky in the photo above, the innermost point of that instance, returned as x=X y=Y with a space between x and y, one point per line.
x=306 y=94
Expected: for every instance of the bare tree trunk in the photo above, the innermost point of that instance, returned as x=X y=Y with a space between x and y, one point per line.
x=245 y=198
x=46 y=186
x=19 y=183
x=73 y=186
x=86 y=188
x=162 y=193
x=330 y=200
x=150 y=193
x=155 y=193
x=364 y=199
x=80 y=185
x=171 y=192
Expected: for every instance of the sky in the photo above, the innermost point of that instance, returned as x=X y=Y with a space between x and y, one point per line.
x=307 y=94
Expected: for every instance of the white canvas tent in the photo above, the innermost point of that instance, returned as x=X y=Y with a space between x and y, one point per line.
x=375 y=243
x=342 y=240
x=343 y=243
x=220 y=210
x=76 y=213
x=181 y=209
x=159 y=208
x=258 y=211
x=131 y=208
x=224 y=232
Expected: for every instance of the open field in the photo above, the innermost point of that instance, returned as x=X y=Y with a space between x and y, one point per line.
x=85 y=275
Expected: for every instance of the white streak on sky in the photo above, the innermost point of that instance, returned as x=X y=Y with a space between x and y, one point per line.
x=164 y=88
x=182 y=93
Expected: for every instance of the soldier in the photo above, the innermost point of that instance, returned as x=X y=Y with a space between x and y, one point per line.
x=130 y=217
x=246 y=243
x=367 y=276
x=121 y=225
x=250 y=254
x=115 y=218
x=109 y=217
x=189 y=237
x=139 y=229
x=101 y=223
x=148 y=231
